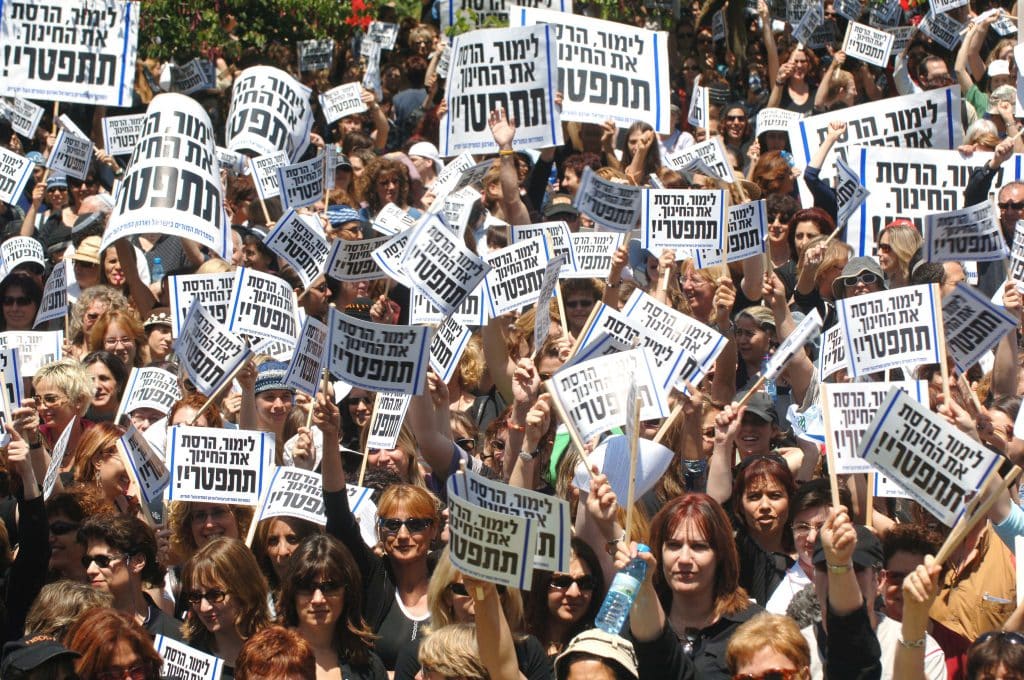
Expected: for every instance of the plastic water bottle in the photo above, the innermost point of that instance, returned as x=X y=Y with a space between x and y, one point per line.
x=769 y=385
x=156 y=272
x=622 y=594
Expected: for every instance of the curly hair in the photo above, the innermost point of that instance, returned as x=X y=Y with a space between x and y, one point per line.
x=112 y=297
x=383 y=168
x=179 y=519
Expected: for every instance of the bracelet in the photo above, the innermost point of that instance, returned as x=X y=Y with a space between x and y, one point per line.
x=912 y=644
x=506 y=152
x=838 y=568
x=527 y=456
x=515 y=426
x=37 y=444
x=609 y=284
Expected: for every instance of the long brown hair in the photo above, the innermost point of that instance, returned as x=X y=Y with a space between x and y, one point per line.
x=97 y=636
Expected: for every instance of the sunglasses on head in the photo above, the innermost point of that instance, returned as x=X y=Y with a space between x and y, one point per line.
x=867 y=278
x=213 y=596
x=749 y=460
x=1009 y=636
x=139 y=671
x=585 y=583
x=774 y=674
x=415 y=525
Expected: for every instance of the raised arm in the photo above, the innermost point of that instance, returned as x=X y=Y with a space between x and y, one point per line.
x=142 y=296
x=919 y=590
x=504 y=131
x=500 y=365
x=328 y=419
x=723 y=385
x=620 y=258
x=963 y=76
x=28 y=224
x=380 y=121
x=428 y=417
x=768 y=36
x=836 y=129
x=1004 y=369
x=821 y=95
x=493 y=635
x=800 y=370
x=727 y=425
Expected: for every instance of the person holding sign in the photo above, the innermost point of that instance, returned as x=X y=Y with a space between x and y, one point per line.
x=321 y=599
x=265 y=393
x=63 y=393
x=793 y=89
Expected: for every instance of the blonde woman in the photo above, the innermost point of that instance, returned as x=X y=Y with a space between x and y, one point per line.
x=769 y=643
x=896 y=245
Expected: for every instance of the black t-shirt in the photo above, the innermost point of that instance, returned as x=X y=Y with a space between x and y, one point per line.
x=534 y=664
x=396 y=631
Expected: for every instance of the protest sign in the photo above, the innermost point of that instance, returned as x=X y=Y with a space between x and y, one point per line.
x=970 y=233
x=446 y=347
x=806 y=332
x=389 y=254
x=122 y=133
x=933 y=462
x=182 y=661
x=677 y=219
x=593 y=252
x=19 y=250
x=71 y=155
x=301 y=184
x=454 y=11
x=901 y=36
x=516 y=275
x=452 y=172
x=292 y=492
x=551 y=515
x=440 y=266
x=378 y=357
x=890 y=328
x=472 y=312
x=457 y=207
x=370 y=52
x=705 y=157
x=885 y=14
x=490 y=545
x=699 y=105
x=558 y=236
x=12 y=383
x=912 y=183
x=353 y=261
x=24 y=116
x=973 y=325
x=209 y=352
x=214 y=292
x=611 y=457
x=232 y=162
x=176 y=153
x=315 y=55
x=215 y=465
x=612 y=206
x=35 y=348
x=868 y=44
x=848 y=410
x=929 y=119
x=501 y=68
x=299 y=240
x=391 y=220
x=341 y=101
x=197 y=74
x=306 y=364
x=15 y=172
x=264 y=306
x=386 y=421
x=832 y=357
x=942 y=28
x=150 y=387
x=811 y=19
x=702 y=344
x=775 y=120
x=382 y=33
x=592 y=393
x=55 y=295
x=850 y=193
x=849 y=9
x=542 y=307
x=269 y=112
x=606 y=70
x=264 y=173
x=60 y=448
x=148 y=469
x=74 y=51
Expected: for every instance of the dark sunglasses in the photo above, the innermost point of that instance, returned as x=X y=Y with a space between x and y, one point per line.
x=466 y=443
x=213 y=596
x=579 y=304
x=328 y=588
x=460 y=589
x=1012 y=205
x=102 y=561
x=867 y=278
x=498 y=444
x=88 y=182
x=22 y=301
x=139 y=671
x=564 y=582
x=773 y=674
x=414 y=524
x=368 y=401
x=735 y=119
x=1010 y=636
x=884 y=248
x=750 y=460
x=60 y=528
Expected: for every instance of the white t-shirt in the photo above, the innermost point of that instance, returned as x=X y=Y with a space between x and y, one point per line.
x=794 y=581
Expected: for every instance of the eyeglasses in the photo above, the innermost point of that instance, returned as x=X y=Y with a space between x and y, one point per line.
x=61 y=528
x=114 y=342
x=322 y=288
x=804 y=528
x=327 y=588
x=564 y=582
x=51 y=189
x=579 y=304
x=497 y=444
x=52 y=399
x=415 y=525
x=23 y=301
x=736 y=119
x=867 y=278
x=774 y=674
x=466 y=443
x=213 y=596
x=137 y=672
x=884 y=248
x=1012 y=205
x=691 y=67
x=102 y=561
x=204 y=516
x=461 y=590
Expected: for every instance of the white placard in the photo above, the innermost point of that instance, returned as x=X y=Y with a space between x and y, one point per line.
x=122 y=133
x=264 y=173
x=386 y=421
x=440 y=266
x=832 y=357
x=494 y=13
x=942 y=28
x=774 y=120
x=850 y=193
x=612 y=205
x=55 y=295
x=353 y=260
x=306 y=365
x=705 y=157
x=378 y=357
x=35 y=348
x=214 y=292
x=147 y=467
x=150 y=387
x=677 y=219
x=611 y=457
x=197 y=74
x=973 y=325
x=299 y=240
x=391 y=220
x=60 y=448
x=182 y=661
x=593 y=252
x=24 y=116
x=868 y=44
x=71 y=155
x=341 y=101
x=699 y=105
x=270 y=112
x=293 y=492
x=516 y=275
x=301 y=184
x=15 y=171
x=215 y=465
x=446 y=347
x=19 y=250
x=264 y=306
x=315 y=55
x=970 y=233
x=208 y=351
x=559 y=239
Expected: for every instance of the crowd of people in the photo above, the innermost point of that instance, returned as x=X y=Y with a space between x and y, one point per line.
x=753 y=573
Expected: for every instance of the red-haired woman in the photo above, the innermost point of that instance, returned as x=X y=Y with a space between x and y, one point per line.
x=112 y=645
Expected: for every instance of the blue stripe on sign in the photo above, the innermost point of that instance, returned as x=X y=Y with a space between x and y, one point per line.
x=863 y=210
x=949 y=115
x=551 y=88
x=124 y=52
x=657 y=87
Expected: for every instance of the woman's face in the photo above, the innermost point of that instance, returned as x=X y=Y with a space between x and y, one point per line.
x=124 y=659
x=699 y=292
x=120 y=341
x=357 y=165
x=111 y=475
x=827 y=275
x=570 y=182
x=800 y=65
x=886 y=257
x=752 y=341
x=57 y=197
x=577 y=308
x=360 y=406
x=184 y=416
x=388 y=187
x=93 y=312
x=143 y=417
x=319 y=603
x=765 y=507
x=281 y=543
x=569 y=595
x=463 y=610
x=633 y=141
x=802 y=235
x=19 y=309
x=158 y=338
x=735 y=124
x=55 y=408
x=273 y=407
x=774 y=140
x=104 y=397
x=210 y=520
x=754 y=436
x=216 y=617
x=65 y=550
x=112 y=267
x=778 y=230
x=390 y=459
x=87 y=274
x=689 y=561
x=405 y=545
x=764 y=660
x=806 y=525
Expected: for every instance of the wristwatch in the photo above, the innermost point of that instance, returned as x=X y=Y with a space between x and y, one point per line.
x=527 y=456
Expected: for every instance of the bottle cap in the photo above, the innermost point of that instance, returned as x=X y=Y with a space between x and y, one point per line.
x=640 y=547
